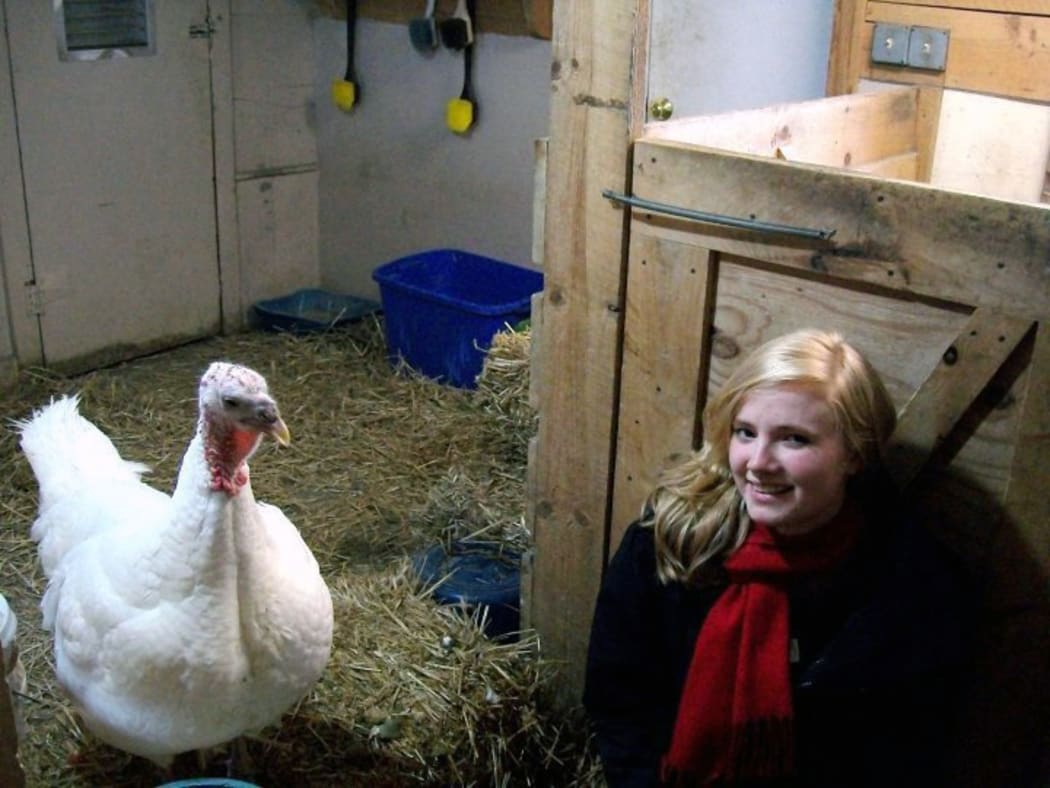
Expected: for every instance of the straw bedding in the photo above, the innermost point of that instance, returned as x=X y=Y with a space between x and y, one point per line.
x=383 y=464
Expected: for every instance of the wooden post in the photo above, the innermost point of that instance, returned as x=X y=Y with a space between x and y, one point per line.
x=11 y=774
x=591 y=106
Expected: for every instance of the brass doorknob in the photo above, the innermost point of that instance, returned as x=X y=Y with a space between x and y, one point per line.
x=661 y=108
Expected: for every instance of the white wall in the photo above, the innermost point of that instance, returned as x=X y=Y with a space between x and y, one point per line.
x=394 y=180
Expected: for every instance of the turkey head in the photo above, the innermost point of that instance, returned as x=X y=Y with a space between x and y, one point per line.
x=236 y=411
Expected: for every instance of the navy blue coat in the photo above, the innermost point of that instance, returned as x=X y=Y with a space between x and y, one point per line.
x=881 y=643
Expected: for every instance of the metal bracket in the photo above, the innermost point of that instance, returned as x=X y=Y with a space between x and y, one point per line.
x=913 y=46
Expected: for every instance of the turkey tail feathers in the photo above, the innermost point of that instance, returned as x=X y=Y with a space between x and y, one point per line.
x=69 y=456
x=66 y=449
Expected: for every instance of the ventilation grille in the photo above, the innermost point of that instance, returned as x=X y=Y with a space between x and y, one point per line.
x=104 y=28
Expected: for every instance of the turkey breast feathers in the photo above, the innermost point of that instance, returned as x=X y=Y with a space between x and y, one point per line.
x=181 y=621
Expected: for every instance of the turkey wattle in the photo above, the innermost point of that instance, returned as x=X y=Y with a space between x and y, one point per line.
x=181 y=621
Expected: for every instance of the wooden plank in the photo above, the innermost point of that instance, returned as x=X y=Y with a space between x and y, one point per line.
x=11 y=774
x=910 y=237
x=972 y=359
x=844 y=131
x=507 y=17
x=582 y=312
x=539 y=17
x=998 y=54
x=669 y=297
x=1037 y=7
x=973 y=154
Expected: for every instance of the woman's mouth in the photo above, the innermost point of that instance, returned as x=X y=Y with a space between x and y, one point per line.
x=768 y=489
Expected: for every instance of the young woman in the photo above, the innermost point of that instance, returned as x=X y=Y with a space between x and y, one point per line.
x=773 y=618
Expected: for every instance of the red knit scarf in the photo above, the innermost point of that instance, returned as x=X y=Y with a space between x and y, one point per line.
x=735 y=716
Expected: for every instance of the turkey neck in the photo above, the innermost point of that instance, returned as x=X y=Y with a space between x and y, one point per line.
x=216 y=528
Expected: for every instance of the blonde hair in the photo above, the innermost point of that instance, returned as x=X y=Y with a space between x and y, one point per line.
x=695 y=510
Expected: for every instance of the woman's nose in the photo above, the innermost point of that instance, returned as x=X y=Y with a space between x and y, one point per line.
x=762 y=456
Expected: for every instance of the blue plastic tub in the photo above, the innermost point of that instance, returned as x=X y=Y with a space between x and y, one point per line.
x=311 y=309
x=472 y=575
x=441 y=309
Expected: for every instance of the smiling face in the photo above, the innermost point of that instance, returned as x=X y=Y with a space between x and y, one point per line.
x=789 y=459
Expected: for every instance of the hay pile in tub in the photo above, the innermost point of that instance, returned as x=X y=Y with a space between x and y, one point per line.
x=382 y=465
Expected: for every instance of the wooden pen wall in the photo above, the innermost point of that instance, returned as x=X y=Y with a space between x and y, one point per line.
x=949 y=292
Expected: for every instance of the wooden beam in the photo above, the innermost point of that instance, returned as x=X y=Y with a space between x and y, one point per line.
x=968 y=364
x=845 y=57
x=582 y=312
x=950 y=246
x=507 y=17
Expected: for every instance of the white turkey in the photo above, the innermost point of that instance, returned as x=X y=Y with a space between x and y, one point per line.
x=179 y=622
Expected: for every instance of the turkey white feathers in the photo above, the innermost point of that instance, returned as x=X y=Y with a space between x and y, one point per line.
x=179 y=622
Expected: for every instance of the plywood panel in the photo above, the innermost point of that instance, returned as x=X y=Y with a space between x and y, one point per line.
x=670 y=338
x=756 y=304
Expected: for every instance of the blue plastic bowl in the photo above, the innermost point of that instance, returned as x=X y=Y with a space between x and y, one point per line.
x=472 y=575
x=311 y=310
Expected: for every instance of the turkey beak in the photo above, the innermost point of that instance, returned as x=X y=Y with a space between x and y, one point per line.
x=280 y=433
x=272 y=423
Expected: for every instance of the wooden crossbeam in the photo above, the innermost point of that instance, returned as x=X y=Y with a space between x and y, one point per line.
x=967 y=365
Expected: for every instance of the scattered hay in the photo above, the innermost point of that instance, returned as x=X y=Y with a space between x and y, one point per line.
x=382 y=465
x=503 y=391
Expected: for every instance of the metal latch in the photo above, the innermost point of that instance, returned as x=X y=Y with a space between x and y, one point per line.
x=914 y=46
x=204 y=30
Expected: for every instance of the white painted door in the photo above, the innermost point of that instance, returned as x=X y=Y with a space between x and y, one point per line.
x=710 y=56
x=118 y=171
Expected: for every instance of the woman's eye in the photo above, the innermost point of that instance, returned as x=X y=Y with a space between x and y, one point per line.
x=798 y=440
x=743 y=432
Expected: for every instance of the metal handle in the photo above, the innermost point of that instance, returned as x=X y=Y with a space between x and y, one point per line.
x=717 y=218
